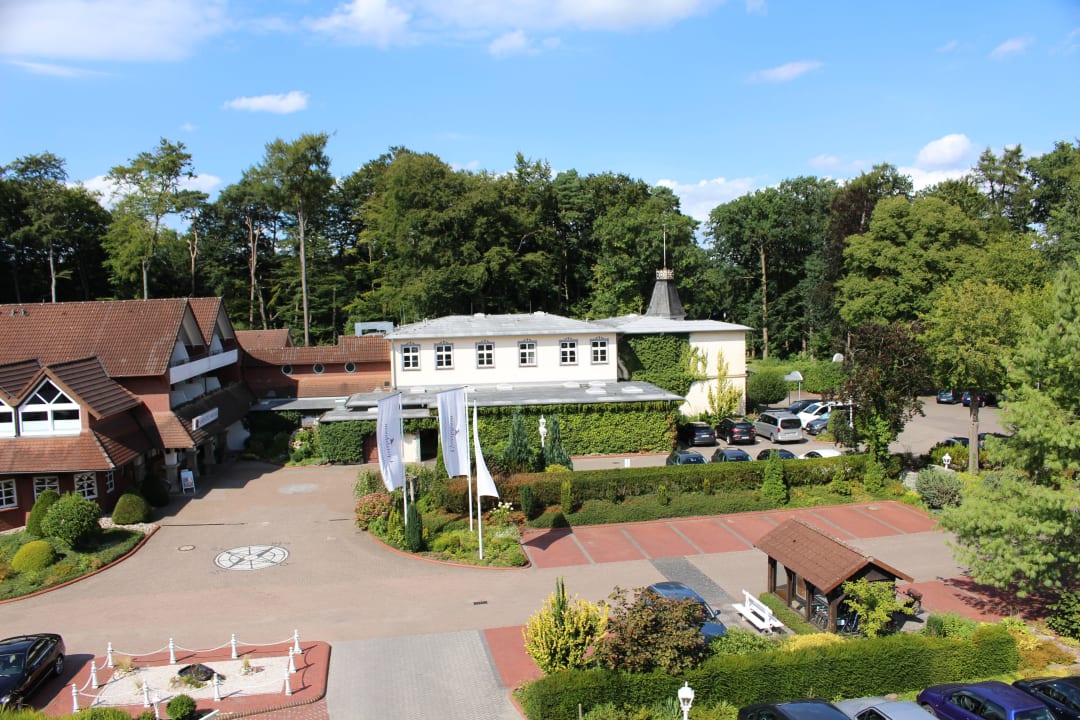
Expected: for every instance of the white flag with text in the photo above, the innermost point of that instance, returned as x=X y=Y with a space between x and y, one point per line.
x=453 y=431
x=388 y=437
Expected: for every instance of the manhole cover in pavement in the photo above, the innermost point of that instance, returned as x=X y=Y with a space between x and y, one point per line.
x=251 y=557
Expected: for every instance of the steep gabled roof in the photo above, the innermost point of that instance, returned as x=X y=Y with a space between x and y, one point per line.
x=210 y=314
x=14 y=378
x=823 y=560
x=263 y=339
x=87 y=380
x=133 y=338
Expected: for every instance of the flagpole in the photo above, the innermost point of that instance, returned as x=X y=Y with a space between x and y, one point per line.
x=468 y=460
x=479 y=514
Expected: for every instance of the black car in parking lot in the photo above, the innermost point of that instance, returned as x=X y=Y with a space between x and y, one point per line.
x=736 y=431
x=685 y=457
x=730 y=455
x=697 y=433
x=809 y=709
x=26 y=663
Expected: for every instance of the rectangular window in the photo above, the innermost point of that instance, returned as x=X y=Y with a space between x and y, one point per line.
x=410 y=357
x=444 y=356
x=485 y=355
x=86 y=485
x=599 y=351
x=7 y=421
x=8 y=498
x=110 y=481
x=527 y=353
x=568 y=352
x=49 y=482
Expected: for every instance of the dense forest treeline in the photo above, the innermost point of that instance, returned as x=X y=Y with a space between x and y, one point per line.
x=407 y=237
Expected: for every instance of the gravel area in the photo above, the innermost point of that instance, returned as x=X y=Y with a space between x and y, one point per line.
x=144 y=528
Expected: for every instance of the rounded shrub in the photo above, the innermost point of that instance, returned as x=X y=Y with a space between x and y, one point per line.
x=34 y=555
x=41 y=506
x=72 y=519
x=939 y=488
x=181 y=707
x=766 y=387
x=131 y=509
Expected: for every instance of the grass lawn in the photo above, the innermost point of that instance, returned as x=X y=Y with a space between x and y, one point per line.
x=110 y=545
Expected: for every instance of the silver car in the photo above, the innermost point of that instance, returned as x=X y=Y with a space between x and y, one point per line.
x=879 y=708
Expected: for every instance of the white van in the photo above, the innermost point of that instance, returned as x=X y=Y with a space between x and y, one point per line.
x=778 y=426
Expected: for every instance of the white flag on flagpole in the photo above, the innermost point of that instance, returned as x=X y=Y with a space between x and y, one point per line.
x=388 y=437
x=453 y=431
x=485 y=485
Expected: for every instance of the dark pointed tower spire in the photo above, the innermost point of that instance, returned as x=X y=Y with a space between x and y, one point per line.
x=665 y=301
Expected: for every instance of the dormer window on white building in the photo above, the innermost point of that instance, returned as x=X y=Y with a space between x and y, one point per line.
x=7 y=420
x=485 y=354
x=444 y=356
x=527 y=353
x=568 y=352
x=49 y=412
x=599 y=351
x=410 y=357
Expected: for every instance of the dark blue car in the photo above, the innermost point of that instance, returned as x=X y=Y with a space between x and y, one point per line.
x=711 y=627
x=988 y=700
x=1062 y=694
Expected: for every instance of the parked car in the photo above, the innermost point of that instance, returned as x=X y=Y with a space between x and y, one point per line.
x=1061 y=694
x=26 y=663
x=955 y=440
x=784 y=454
x=984 y=398
x=818 y=409
x=685 y=457
x=822 y=453
x=736 y=431
x=778 y=426
x=799 y=405
x=698 y=433
x=948 y=397
x=818 y=425
x=730 y=455
x=809 y=709
x=879 y=708
x=711 y=627
x=987 y=700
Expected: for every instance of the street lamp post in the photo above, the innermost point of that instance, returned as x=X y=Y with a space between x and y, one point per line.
x=686 y=699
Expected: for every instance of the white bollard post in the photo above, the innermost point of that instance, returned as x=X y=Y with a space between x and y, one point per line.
x=108 y=656
x=74 y=698
x=93 y=675
x=217 y=690
x=145 y=695
x=234 y=646
x=296 y=641
x=157 y=711
x=172 y=652
x=288 y=684
x=292 y=663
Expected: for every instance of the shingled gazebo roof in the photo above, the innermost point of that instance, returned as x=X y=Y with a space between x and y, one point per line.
x=821 y=559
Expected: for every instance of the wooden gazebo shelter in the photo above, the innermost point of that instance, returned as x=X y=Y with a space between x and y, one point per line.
x=816 y=566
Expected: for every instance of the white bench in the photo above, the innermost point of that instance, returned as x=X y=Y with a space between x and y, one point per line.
x=757 y=613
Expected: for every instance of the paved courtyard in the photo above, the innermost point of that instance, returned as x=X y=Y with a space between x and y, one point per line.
x=263 y=551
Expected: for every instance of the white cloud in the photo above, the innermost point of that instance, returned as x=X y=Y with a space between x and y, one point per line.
x=281 y=104
x=188 y=127
x=550 y=14
x=1010 y=47
x=365 y=21
x=947 y=151
x=786 y=72
x=108 y=29
x=951 y=46
x=511 y=43
x=51 y=69
x=698 y=199
x=921 y=178
x=106 y=190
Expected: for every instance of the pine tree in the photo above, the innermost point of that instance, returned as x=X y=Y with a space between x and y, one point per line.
x=554 y=452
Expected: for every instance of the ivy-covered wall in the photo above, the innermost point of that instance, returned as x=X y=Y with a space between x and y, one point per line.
x=600 y=428
x=663 y=360
x=343 y=442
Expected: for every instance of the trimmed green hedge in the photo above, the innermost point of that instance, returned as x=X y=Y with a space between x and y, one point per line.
x=615 y=484
x=343 y=442
x=601 y=428
x=855 y=668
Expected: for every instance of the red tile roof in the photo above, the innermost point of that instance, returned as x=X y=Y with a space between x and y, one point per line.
x=350 y=348
x=175 y=428
x=265 y=339
x=825 y=561
x=133 y=338
x=106 y=446
x=207 y=311
x=87 y=380
x=14 y=378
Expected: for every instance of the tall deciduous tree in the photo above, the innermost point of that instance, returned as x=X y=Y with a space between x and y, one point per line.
x=299 y=171
x=149 y=190
x=969 y=335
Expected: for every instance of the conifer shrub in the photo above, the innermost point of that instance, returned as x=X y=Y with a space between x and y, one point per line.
x=181 y=707
x=37 y=513
x=1064 y=616
x=72 y=519
x=566 y=495
x=938 y=488
x=131 y=509
x=33 y=556
x=528 y=502
x=414 y=529
x=773 y=488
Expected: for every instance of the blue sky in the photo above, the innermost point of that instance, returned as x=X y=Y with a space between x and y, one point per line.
x=714 y=99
